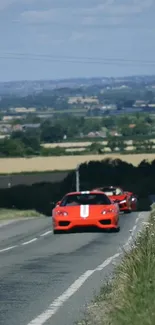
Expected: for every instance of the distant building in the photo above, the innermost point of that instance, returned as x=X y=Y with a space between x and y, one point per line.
x=17 y=127
x=31 y=126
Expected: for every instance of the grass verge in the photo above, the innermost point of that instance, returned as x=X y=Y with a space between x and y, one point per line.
x=129 y=297
x=9 y=214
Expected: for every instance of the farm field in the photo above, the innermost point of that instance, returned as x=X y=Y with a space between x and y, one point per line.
x=40 y=164
x=82 y=146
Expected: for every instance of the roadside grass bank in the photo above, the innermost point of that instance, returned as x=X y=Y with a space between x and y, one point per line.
x=129 y=297
x=10 y=214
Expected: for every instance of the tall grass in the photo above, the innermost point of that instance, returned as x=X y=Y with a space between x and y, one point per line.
x=130 y=298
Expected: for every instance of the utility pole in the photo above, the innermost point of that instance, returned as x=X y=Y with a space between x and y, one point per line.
x=77 y=179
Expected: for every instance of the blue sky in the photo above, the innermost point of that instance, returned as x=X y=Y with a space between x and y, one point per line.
x=113 y=29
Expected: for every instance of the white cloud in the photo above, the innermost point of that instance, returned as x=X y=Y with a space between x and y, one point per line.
x=111 y=7
x=76 y=36
x=43 y=16
x=4 y=4
x=112 y=11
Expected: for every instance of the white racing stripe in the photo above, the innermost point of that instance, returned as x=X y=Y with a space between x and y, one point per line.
x=84 y=211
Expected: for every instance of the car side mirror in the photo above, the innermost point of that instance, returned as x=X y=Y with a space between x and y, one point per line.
x=58 y=203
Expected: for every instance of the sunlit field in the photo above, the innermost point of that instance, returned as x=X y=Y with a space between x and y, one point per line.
x=18 y=165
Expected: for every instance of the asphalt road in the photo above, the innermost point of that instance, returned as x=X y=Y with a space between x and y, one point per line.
x=48 y=279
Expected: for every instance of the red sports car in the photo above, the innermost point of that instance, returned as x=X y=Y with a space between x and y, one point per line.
x=85 y=209
x=127 y=201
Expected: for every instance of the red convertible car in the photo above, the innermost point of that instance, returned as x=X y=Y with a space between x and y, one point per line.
x=85 y=209
x=127 y=201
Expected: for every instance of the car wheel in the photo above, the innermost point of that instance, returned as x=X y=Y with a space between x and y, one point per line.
x=57 y=232
x=127 y=211
x=117 y=229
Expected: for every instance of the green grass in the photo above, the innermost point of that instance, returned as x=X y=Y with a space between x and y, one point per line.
x=9 y=214
x=130 y=297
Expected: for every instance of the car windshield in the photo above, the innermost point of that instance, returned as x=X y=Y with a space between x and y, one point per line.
x=112 y=191
x=85 y=199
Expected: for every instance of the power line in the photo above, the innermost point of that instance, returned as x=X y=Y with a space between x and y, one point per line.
x=68 y=57
x=85 y=25
x=71 y=59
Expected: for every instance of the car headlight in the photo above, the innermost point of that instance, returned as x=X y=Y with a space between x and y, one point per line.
x=108 y=211
x=62 y=213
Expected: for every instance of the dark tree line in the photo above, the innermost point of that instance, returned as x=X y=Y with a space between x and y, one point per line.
x=43 y=196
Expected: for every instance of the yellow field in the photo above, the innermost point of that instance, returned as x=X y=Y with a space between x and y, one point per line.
x=18 y=165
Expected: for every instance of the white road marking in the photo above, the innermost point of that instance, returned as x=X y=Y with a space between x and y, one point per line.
x=30 y=241
x=107 y=262
x=46 y=233
x=7 y=249
x=130 y=239
x=57 y=303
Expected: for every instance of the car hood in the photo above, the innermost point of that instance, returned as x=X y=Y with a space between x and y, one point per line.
x=116 y=198
x=84 y=211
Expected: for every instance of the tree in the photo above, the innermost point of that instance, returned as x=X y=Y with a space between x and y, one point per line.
x=148 y=145
x=121 y=145
x=11 y=148
x=126 y=131
x=28 y=139
x=139 y=145
x=96 y=147
x=52 y=133
x=112 y=144
x=108 y=122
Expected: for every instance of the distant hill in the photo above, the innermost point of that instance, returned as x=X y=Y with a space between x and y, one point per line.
x=26 y=87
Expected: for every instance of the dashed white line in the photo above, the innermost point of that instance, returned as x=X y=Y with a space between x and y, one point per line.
x=30 y=241
x=7 y=249
x=57 y=303
x=46 y=233
x=26 y=243
x=107 y=262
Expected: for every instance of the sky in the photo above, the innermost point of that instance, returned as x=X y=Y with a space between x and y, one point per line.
x=54 y=39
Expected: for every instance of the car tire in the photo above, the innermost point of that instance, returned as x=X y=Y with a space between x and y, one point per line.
x=57 y=232
x=127 y=211
x=117 y=229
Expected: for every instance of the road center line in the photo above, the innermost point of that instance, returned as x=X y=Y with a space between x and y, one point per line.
x=46 y=233
x=57 y=303
x=7 y=249
x=30 y=241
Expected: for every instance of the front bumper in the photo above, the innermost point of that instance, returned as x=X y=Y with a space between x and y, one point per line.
x=65 y=224
x=124 y=207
